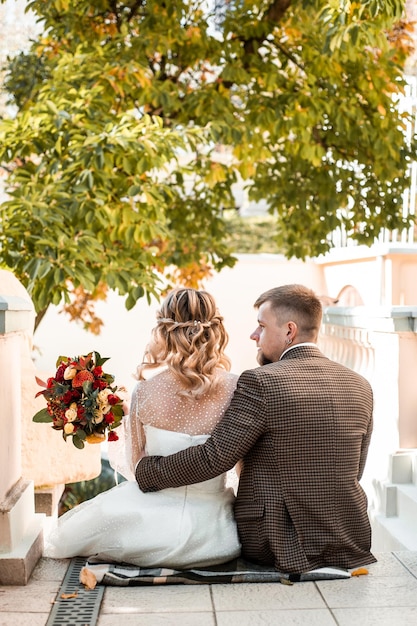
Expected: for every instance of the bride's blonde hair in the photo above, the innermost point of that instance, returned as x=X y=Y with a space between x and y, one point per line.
x=190 y=339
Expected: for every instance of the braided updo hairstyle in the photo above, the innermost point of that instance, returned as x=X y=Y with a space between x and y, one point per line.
x=190 y=339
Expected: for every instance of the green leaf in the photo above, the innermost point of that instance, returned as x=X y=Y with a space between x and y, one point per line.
x=87 y=387
x=42 y=417
x=62 y=359
x=78 y=442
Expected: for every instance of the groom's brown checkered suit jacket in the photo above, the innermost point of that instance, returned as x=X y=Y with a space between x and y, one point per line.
x=302 y=427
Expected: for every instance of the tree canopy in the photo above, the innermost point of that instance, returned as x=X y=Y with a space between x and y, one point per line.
x=136 y=120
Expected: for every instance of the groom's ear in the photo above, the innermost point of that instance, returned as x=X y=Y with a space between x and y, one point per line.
x=292 y=329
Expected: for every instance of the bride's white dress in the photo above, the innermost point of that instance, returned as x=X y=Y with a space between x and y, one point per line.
x=180 y=527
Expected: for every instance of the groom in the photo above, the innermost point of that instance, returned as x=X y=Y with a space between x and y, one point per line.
x=302 y=426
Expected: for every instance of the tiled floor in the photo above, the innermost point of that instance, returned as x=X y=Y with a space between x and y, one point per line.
x=386 y=596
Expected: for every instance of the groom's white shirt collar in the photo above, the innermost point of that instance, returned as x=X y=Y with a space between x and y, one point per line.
x=305 y=343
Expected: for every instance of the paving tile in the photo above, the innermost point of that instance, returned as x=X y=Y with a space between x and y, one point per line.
x=368 y=591
x=409 y=560
x=312 y=617
x=388 y=565
x=386 y=597
x=389 y=616
x=50 y=569
x=266 y=596
x=37 y=596
x=160 y=599
x=23 y=619
x=153 y=619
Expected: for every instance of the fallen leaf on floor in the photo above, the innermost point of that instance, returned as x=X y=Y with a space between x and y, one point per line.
x=87 y=578
x=67 y=596
x=361 y=571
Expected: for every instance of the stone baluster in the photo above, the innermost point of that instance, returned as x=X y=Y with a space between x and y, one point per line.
x=21 y=539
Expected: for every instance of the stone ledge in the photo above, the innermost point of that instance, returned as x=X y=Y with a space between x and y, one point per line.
x=15 y=314
x=16 y=567
x=16 y=512
x=47 y=499
x=383 y=319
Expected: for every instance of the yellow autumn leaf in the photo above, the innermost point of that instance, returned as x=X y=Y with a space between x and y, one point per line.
x=361 y=571
x=87 y=578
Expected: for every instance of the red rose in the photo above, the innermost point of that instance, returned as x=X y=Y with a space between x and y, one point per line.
x=113 y=399
x=112 y=436
x=67 y=397
x=60 y=372
x=98 y=371
x=99 y=384
x=109 y=418
x=80 y=412
x=50 y=382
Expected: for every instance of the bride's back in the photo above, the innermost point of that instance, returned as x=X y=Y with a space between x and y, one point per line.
x=159 y=403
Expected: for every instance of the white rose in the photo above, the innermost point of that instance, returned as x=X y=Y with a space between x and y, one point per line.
x=103 y=395
x=104 y=407
x=71 y=413
x=70 y=373
x=69 y=428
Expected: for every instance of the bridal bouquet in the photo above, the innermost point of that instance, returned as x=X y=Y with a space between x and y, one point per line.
x=81 y=401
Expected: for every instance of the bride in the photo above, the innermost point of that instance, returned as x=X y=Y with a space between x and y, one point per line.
x=175 y=408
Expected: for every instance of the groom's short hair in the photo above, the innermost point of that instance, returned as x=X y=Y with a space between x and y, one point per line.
x=297 y=303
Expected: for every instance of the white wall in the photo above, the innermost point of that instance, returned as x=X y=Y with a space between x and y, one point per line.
x=125 y=333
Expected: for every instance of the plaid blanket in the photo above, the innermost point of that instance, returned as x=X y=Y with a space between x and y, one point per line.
x=236 y=571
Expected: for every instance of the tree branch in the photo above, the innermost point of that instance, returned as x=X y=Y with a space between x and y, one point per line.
x=39 y=317
x=277 y=10
x=274 y=15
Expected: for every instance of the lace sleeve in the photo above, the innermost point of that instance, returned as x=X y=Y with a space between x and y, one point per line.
x=130 y=447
